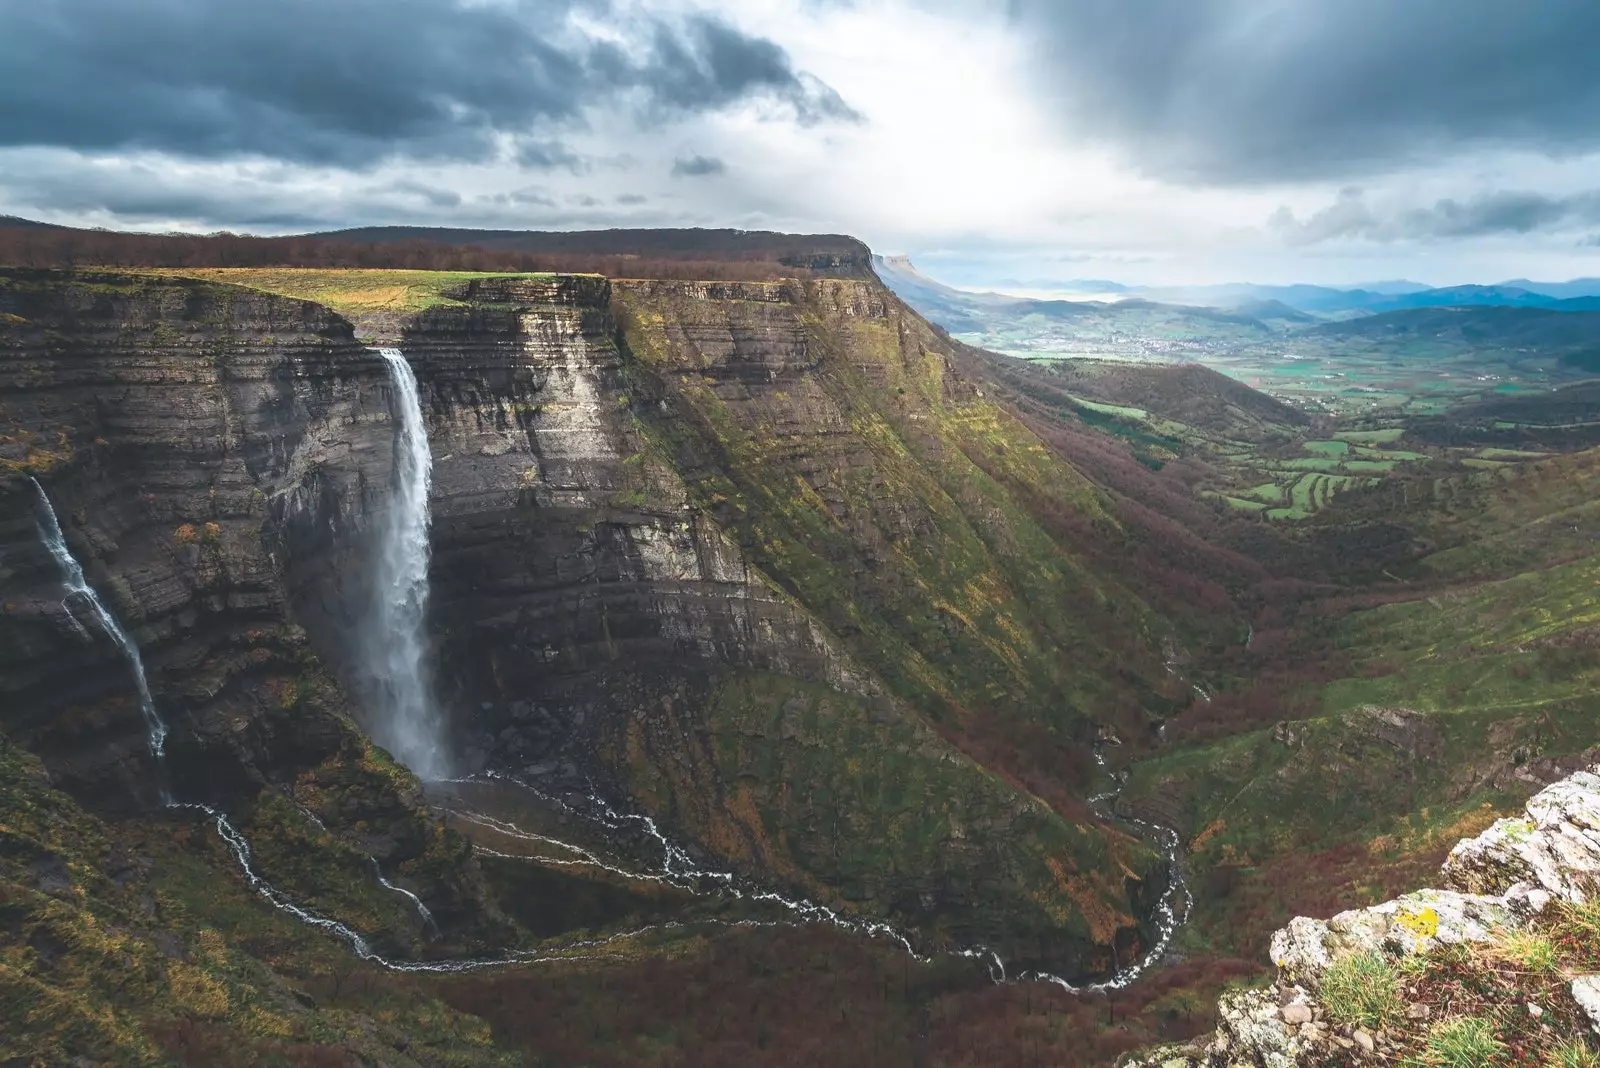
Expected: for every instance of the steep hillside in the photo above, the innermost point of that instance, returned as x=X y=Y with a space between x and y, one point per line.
x=1389 y=720
x=932 y=530
x=1186 y=393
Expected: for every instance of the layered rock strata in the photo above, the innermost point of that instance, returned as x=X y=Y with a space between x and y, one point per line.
x=218 y=456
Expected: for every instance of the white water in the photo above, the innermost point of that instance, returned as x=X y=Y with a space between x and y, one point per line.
x=678 y=869
x=77 y=586
x=394 y=638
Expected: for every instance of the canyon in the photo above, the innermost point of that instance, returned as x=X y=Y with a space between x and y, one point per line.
x=717 y=616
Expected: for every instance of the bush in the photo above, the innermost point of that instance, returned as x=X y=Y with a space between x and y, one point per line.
x=1362 y=990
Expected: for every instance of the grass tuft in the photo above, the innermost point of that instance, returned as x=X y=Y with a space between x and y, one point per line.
x=1363 y=990
x=1574 y=1053
x=1530 y=951
x=1464 y=1042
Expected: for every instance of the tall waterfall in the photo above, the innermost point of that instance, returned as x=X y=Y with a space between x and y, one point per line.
x=407 y=722
x=78 y=587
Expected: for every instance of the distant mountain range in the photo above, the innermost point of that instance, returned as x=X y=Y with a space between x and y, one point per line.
x=1579 y=294
x=1547 y=333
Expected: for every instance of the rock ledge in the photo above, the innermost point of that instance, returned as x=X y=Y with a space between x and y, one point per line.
x=1494 y=883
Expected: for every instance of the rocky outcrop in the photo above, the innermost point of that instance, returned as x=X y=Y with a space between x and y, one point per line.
x=1496 y=883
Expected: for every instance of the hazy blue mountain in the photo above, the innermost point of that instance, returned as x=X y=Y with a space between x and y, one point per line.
x=1577 y=287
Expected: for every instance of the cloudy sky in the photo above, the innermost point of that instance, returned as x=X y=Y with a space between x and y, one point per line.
x=997 y=143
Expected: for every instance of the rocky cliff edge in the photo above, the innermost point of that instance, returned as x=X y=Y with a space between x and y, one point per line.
x=1496 y=966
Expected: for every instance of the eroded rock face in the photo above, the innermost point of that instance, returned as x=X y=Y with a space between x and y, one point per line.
x=573 y=582
x=192 y=439
x=217 y=456
x=1555 y=847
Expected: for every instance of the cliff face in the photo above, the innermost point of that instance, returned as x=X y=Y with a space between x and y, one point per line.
x=598 y=614
x=755 y=558
x=172 y=424
x=201 y=445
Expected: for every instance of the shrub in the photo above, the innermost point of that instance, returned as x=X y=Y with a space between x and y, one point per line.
x=186 y=534
x=1465 y=1042
x=1362 y=990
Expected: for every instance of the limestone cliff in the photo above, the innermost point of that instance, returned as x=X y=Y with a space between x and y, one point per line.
x=719 y=561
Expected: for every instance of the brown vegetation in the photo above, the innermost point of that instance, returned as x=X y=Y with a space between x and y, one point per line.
x=682 y=254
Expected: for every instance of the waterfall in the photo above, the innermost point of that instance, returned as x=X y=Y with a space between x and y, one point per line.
x=406 y=721
x=78 y=587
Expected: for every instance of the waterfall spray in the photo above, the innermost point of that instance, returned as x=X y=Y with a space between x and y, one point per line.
x=78 y=588
x=407 y=721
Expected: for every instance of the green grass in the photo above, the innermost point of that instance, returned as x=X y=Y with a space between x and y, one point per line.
x=1122 y=411
x=1327 y=448
x=1511 y=454
x=1464 y=1042
x=1267 y=491
x=345 y=291
x=1574 y=1053
x=1363 y=990
x=1387 y=436
x=1530 y=951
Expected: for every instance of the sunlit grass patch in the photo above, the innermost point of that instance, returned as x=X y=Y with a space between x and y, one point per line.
x=1386 y=436
x=1464 y=1042
x=1530 y=951
x=343 y=290
x=1363 y=990
x=1574 y=1053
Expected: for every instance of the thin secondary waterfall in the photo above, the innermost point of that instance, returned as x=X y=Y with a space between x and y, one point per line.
x=77 y=585
x=406 y=721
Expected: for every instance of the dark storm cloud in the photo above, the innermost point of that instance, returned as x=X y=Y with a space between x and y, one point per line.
x=55 y=184
x=345 y=81
x=1261 y=90
x=1504 y=212
x=698 y=167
